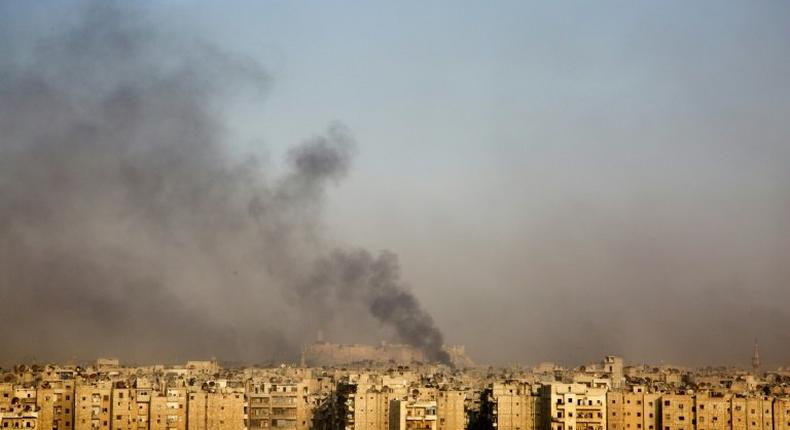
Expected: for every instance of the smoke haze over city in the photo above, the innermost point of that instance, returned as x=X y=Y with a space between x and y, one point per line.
x=536 y=182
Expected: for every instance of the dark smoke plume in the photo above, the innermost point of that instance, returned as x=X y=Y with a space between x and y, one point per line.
x=356 y=273
x=128 y=227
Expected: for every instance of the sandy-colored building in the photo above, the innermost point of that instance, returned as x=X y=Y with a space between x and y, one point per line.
x=25 y=395
x=55 y=403
x=6 y=395
x=19 y=416
x=450 y=411
x=713 y=412
x=370 y=407
x=202 y=367
x=361 y=407
x=513 y=406
x=168 y=410
x=127 y=412
x=613 y=366
x=216 y=411
x=635 y=410
x=781 y=415
x=752 y=413
x=677 y=412
x=413 y=415
x=573 y=407
x=92 y=407
x=281 y=405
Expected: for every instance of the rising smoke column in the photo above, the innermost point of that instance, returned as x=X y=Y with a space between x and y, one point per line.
x=376 y=281
x=127 y=225
x=355 y=274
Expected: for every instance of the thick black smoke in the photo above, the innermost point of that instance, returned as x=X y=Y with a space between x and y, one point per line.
x=375 y=280
x=128 y=227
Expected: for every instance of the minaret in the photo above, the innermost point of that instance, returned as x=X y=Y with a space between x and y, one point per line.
x=756 y=357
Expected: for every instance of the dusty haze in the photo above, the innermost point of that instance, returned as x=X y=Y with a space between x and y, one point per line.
x=128 y=228
x=559 y=181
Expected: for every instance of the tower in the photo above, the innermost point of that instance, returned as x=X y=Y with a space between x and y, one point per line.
x=756 y=357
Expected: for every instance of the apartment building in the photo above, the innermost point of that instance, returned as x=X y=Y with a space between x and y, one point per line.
x=127 y=414
x=370 y=407
x=217 y=411
x=781 y=415
x=450 y=410
x=413 y=415
x=55 y=402
x=168 y=410
x=573 y=407
x=6 y=396
x=511 y=406
x=752 y=413
x=18 y=416
x=677 y=412
x=713 y=412
x=92 y=407
x=279 y=405
x=635 y=410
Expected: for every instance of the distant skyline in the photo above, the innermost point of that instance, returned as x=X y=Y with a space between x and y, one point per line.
x=558 y=181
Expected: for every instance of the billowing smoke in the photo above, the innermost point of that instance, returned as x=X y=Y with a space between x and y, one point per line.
x=129 y=227
x=358 y=274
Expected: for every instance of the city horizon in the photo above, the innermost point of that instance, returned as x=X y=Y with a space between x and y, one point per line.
x=532 y=181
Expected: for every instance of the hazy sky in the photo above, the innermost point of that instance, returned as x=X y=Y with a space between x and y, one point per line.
x=560 y=180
